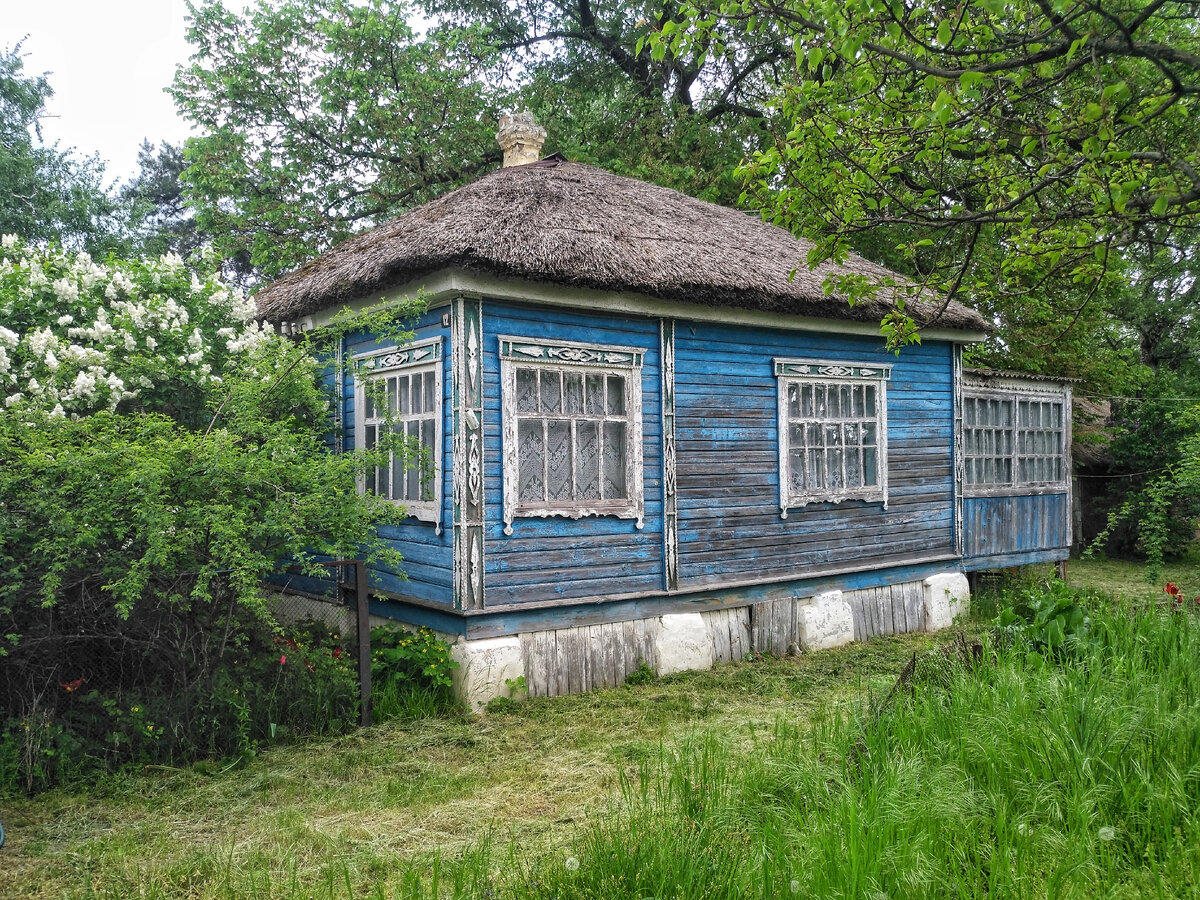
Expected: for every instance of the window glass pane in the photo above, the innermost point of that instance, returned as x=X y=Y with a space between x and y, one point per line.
x=812 y=435
x=870 y=467
x=614 y=461
x=833 y=469
x=428 y=459
x=391 y=395
x=796 y=437
x=382 y=481
x=527 y=391
x=808 y=403
x=587 y=460
x=412 y=458
x=398 y=459
x=530 y=456
x=796 y=470
x=594 y=394
x=551 y=391
x=368 y=401
x=853 y=460
x=816 y=471
x=369 y=444
x=616 y=395
x=558 y=460
x=793 y=393
x=573 y=393
x=400 y=386
x=430 y=392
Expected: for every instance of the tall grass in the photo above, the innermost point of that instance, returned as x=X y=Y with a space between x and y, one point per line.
x=1019 y=780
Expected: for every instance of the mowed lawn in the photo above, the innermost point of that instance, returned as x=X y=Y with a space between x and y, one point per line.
x=583 y=796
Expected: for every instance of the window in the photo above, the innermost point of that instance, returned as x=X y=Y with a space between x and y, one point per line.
x=572 y=430
x=832 y=432
x=399 y=392
x=1011 y=441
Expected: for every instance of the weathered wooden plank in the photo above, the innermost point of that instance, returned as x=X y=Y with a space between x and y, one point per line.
x=629 y=649
x=915 y=602
x=767 y=555
x=719 y=628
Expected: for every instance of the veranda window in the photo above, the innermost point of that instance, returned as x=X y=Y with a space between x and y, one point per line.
x=572 y=430
x=1012 y=441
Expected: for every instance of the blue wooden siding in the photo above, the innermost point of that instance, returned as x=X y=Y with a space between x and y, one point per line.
x=557 y=558
x=730 y=528
x=1030 y=528
x=428 y=557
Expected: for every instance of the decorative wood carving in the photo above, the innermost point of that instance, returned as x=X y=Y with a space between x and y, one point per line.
x=466 y=344
x=960 y=463
x=670 y=497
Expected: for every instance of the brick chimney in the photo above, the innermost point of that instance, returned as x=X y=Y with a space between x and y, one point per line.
x=520 y=138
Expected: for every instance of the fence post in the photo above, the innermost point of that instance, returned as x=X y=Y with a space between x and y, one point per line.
x=362 y=606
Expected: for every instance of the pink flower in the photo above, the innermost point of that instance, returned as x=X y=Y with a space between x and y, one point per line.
x=282 y=659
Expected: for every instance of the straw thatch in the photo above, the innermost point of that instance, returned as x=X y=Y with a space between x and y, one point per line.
x=570 y=224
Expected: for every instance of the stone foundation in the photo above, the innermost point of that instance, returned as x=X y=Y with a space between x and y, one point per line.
x=582 y=658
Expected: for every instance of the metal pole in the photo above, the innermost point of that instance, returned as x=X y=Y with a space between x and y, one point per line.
x=362 y=607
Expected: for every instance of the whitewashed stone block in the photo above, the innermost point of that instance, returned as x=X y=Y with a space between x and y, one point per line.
x=683 y=643
x=825 y=621
x=485 y=669
x=947 y=596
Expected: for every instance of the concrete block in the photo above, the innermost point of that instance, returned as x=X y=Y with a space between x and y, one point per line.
x=683 y=643
x=947 y=596
x=484 y=669
x=825 y=621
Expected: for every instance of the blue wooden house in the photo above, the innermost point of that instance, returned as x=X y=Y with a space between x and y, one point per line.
x=657 y=439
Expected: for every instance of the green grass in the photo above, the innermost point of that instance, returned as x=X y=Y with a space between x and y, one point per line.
x=739 y=782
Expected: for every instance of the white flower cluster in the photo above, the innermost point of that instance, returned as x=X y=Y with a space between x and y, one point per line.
x=91 y=336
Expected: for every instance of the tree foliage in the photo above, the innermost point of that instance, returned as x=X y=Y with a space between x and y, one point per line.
x=1014 y=150
x=324 y=117
x=47 y=194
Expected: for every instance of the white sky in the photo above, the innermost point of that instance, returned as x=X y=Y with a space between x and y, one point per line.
x=108 y=62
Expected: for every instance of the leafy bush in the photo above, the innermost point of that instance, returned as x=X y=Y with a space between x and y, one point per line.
x=1053 y=622
x=160 y=454
x=411 y=672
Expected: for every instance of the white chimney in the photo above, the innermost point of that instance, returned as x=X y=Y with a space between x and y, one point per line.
x=520 y=138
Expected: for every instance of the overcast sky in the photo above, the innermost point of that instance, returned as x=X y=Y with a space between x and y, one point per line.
x=108 y=62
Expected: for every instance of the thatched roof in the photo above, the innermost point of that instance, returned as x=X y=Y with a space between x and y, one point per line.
x=570 y=224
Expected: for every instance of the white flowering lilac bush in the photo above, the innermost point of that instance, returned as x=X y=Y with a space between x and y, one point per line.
x=161 y=453
x=78 y=336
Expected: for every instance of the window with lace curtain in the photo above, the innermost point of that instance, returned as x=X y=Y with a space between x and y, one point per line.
x=398 y=396
x=572 y=430
x=832 y=432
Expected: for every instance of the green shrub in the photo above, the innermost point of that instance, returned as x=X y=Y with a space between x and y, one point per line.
x=411 y=672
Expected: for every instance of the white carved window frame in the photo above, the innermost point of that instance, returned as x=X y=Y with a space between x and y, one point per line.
x=979 y=442
x=420 y=357
x=570 y=356
x=801 y=372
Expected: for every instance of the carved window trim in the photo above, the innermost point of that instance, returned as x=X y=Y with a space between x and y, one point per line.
x=417 y=358
x=1007 y=443
x=831 y=373
x=569 y=356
